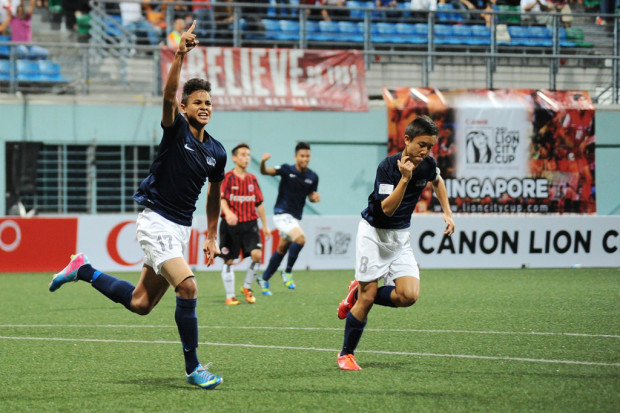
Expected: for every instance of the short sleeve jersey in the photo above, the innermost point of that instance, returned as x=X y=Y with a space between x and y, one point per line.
x=242 y=194
x=294 y=187
x=179 y=171
x=386 y=181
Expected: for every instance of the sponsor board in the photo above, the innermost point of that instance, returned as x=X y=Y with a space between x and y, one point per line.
x=44 y=244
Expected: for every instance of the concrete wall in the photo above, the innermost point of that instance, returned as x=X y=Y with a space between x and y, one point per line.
x=345 y=152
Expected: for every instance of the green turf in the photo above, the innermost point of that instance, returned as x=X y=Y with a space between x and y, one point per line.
x=490 y=340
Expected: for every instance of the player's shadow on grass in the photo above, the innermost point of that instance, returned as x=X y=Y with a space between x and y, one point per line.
x=176 y=382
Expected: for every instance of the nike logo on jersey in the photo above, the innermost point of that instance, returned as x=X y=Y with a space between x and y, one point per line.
x=188 y=148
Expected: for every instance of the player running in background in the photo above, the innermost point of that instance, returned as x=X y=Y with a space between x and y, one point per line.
x=296 y=183
x=382 y=249
x=242 y=205
x=186 y=158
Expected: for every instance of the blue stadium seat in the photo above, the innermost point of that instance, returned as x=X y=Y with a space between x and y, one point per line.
x=519 y=36
x=289 y=30
x=386 y=33
x=481 y=35
x=27 y=70
x=5 y=70
x=443 y=12
x=356 y=14
x=329 y=31
x=444 y=34
x=421 y=29
x=5 y=52
x=272 y=28
x=350 y=31
x=50 y=72
x=540 y=36
x=463 y=32
x=409 y=33
x=113 y=24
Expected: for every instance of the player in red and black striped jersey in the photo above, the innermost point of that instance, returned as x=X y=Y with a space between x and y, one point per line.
x=242 y=205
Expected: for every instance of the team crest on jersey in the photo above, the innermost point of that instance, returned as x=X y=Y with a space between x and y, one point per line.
x=210 y=161
x=225 y=251
x=251 y=188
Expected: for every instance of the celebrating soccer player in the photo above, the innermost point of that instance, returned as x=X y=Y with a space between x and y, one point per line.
x=242 y=205
x=382 y=249
x=186 y=158
x=296 y=183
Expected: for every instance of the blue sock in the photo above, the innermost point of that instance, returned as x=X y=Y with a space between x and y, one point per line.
x=293 y=253
x=187 y=323
x=353 y=330
x=383 y=296
x=272 y=267
x=86 y=272
x=119 y=291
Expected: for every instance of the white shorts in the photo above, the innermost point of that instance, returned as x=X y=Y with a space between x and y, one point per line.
x=285 y=223
x=383 y=254
x=160 y=239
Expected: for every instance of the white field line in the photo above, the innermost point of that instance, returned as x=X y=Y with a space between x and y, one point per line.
x=389 y=330
x=331 y=350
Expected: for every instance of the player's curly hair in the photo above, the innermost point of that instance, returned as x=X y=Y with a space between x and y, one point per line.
x=422 y=125
x=193 y=85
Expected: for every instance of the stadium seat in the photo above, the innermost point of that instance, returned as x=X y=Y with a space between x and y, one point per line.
x=272 y=28
x=443 y=13
x=5 y=52
x=329 y=31
x=541 y=36
x=351 y=32
x=83 y=23
x=50 y=71
x=410 y=33
x=386 y=33
x=289 y=30
x=5 y=70
x=481 y=35
x=27 y=70
x=444 y=34
x=356 y=14
x=113 y=24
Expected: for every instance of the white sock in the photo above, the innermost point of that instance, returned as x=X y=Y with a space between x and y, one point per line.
x=228 y=277
x=250 y=275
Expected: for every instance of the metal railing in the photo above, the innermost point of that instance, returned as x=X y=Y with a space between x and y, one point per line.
x=117 y=59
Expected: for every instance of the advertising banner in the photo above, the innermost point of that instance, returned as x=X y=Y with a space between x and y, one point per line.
x=36 y=244
x=504 y=151
x=509 y=241
x=277 y=79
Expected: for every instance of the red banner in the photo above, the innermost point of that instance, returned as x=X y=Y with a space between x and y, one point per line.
x=36 y=244
x=277 y=79
x=505 y=151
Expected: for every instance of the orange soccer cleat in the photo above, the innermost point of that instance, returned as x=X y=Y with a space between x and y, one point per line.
x=349 y=301
x=249 y=296
x=232 y=301
x=347 y=362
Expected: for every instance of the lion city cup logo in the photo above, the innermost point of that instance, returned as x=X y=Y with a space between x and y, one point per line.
x=331 y=242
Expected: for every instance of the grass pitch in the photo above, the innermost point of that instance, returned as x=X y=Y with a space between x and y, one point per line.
x=491 y=340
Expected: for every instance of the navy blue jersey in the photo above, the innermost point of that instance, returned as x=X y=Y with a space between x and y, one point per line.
x=387 y=178
x=294 y=187
x=179 y=172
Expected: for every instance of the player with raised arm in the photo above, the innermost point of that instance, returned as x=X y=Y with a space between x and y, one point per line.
x=186 y=158
x=383 y=249
x=242 y=205
x=296 y=183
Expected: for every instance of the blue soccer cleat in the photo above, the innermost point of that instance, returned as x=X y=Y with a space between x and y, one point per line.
x=264 y=286
x=287 y=279
x=69 y=273
x=202 y=378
